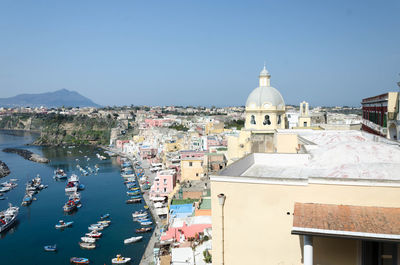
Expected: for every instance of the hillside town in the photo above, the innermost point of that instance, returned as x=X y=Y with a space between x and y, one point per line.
x=190 y=160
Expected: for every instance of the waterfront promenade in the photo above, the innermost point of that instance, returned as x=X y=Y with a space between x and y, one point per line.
x=148 y=255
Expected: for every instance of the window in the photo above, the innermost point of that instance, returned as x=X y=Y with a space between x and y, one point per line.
x=266 y=120
x=379 y=253
x=190 y=164
x=165 y=181
x=253 y=119
x=279 y=119
x=165 y=189
x=197 y=174
x=305 y=124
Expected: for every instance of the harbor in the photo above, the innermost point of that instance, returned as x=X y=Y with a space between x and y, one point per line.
x=104 y=193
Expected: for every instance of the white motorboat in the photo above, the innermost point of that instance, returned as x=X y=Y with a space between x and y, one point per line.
x=94 y=234
x=88 y=239
x=120 y=260
x=139 y=214
x=87 y=245
x=8 y=217
x=132 y=239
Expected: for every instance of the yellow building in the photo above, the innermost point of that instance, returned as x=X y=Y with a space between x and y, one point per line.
x=337 y=203
x=214 y=128
x=192 y=168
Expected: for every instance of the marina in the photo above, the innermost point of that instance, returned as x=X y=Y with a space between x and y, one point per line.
x=103 y=206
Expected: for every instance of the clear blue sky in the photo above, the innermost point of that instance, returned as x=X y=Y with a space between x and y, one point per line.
x=168 y=52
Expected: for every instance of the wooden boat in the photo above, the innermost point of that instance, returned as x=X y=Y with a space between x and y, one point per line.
x=120 y=260
x=75 y=260
x=146 y=223
x=138 y=200
x=132 y=239
x=50 y=248
x=95 y=227
x=143 y=230
x=87 y=245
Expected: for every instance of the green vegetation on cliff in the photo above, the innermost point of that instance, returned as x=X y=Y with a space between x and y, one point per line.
x=58 y=129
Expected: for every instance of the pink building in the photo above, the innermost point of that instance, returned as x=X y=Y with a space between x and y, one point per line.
x=147 y=152
x=120 y=143
x=156 y=122
x=183 y=233
x=192 y=153
x=164 y=183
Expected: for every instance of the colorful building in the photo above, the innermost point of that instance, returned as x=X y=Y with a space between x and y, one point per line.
x=381 y=115
x=164 y=183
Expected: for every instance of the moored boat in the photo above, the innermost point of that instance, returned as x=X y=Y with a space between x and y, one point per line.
x=138 y=200
x=105 y=216
x=8 y=217
x=87 y=245
x=61 y=224
x=139 y=214
x=120 y=260
x=93 y=234
x=132 y=239
x=143 y=230
x=50 y=248
x=88 y=239
x=75 y=260
x=69 y=206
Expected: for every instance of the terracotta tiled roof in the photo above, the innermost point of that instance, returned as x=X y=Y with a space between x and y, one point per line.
x=347 y=220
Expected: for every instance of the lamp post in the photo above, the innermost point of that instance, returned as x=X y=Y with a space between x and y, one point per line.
x=221 y=200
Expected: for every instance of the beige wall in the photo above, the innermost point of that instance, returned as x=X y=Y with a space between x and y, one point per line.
x=189 y=172
x=304 y=119
x=287 y=143
x=258 y=229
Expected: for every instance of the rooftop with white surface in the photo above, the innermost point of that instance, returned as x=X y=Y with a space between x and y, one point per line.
x=348 y=157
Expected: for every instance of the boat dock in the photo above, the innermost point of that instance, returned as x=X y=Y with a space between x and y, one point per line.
x=148 y=255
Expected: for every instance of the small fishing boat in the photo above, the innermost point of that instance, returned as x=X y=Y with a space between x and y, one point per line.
x=143 y=230
x=132 y=239
x=146 y=223
x=139 y=214
x=61 y=224
x=95 y=227
x=134 y=201
x=75 y=260
x=71 y=187
x=27 y=200
x=94 y=234
x=50 y=248
x=87 y=245
x=105 y=216
x=69 y=206
x=135 y=197
x=133 y=193
x=120 y=260
x=104 y=222
x=88 y=239
x=81 y=187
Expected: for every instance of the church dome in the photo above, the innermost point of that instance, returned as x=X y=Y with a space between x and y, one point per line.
x=265 y=97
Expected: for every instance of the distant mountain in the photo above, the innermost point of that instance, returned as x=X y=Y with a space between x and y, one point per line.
x=59 y=98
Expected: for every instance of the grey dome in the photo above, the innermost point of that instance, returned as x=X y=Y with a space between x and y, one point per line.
x=263 y=95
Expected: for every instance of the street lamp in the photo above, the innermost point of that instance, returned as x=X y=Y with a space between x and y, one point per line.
x=221 y=200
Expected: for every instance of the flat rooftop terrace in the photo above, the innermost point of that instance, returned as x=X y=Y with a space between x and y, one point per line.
x=331 y=156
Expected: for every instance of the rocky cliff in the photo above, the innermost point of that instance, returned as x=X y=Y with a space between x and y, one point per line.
x=58 y=129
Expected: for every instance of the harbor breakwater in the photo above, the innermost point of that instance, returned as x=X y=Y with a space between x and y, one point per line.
x=27 y=155
x=4 y=170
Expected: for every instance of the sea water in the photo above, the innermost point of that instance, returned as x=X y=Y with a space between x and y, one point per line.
x=104 y=193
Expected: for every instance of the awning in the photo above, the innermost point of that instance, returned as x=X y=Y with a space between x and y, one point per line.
x=362 y=222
